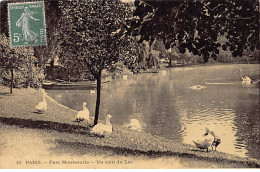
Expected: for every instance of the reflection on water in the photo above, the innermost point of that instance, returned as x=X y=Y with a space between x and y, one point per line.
x=166 y=106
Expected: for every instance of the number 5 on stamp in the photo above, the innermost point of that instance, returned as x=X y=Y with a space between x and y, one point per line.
x=27 y=24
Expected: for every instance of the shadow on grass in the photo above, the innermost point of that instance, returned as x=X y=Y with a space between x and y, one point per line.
x=76 y=148
x=84 y=148
x=76 y=129
x=47 y=125
x=5 y=94
x=36 y=112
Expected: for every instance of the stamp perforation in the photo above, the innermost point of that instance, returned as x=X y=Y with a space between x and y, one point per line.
x=44 y=23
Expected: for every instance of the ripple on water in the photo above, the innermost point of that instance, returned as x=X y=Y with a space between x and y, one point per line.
x=171 y=110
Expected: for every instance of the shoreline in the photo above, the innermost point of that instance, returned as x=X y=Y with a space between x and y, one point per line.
x=208 y=64
x=59 y=118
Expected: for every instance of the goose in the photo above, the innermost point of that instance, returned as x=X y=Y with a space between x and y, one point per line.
x=198 y=87
x=206 y=141
x=103 y=130
x=42 y=106
x=83 y=115
x=134 y=125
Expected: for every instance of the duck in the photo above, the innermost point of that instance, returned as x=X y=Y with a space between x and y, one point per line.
x=83 y=115
x=133 y=125
x=42 y=106
x=198 y=87
x=216 y=140
x=205 y=141
x=103 y=130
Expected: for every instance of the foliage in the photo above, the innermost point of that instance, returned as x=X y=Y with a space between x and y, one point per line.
x=4 y=17
x=34 y=75
x=10 y=57
x=50 y=51
x=94 y=38
x=24 y=78
x=43 y=53
x=196 y=25
x=17 y=65
x=95 y=35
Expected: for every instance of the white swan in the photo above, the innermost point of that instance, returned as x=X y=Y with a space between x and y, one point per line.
x=134 y=125
x=205 y=141
x=198 y=87
x=42 y=106
x=83 y=115
x=103 y=129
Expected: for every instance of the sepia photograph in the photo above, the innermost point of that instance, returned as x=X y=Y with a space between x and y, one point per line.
x=129 y=84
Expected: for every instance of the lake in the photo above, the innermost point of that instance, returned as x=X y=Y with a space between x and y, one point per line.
x=167 y=107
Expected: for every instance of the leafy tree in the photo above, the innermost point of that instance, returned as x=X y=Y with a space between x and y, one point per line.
x=195 y=26
x=42 y=53
x=13 y=59
x=50 y=51
x=94 y=38
x=4 y=17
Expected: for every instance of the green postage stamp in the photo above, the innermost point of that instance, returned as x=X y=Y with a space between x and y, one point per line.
x=27 y=24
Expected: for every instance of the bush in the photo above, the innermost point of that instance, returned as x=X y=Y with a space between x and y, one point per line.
x=20 y=60
x=24 y=78
x=36 y=77
x=199 y=59
x=224 y=56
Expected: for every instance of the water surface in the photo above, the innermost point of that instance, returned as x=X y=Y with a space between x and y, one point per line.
x=167 y=107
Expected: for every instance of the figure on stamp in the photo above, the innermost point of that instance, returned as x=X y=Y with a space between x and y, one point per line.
x=24 y=23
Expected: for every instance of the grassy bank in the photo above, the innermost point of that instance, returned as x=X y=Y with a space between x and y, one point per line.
x=18 y=109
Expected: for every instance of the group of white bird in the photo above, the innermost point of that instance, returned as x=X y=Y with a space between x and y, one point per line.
x=246 y=82
x=83 y=116
x=208 y=139
x=103 y=130
x=99 y=129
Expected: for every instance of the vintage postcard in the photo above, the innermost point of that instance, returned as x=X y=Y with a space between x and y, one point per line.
x=129 y=84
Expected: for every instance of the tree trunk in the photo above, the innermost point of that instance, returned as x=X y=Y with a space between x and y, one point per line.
x=52 y=69
x=98 y=99
x=12 y=81
x=170 y=61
